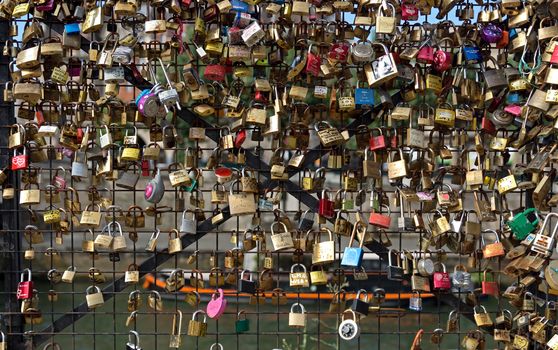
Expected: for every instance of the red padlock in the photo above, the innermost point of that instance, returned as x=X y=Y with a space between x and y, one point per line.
x=426 y=54
x=409 y=12
x=145 y=167
x=20 y=161
x=339 y=51
x=240 y=138
x=25 y=288
x=487 y=126
x=326 y=207
x=79 y=135
x=504 y=40
x=554 y=57
x=442 y=279
x=313 y=63
x=377 y=142
x=39 y=116
x=260 y=97
x=379 y=219
x=489 y=287
x=215 y=72
x=393 y=140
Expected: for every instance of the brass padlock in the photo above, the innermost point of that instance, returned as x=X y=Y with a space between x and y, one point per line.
x=197 y=328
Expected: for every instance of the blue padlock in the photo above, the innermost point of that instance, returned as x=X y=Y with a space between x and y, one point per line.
x=513 y=97
x=240 y=6
x=352 y=256
x=141 y=94
x=364 y=97
x=472 y=54
x=72 y=28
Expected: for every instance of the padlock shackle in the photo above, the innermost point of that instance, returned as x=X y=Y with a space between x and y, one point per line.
x=242 y=275
x=194 y=316
x=302 y=309
x=136 y=340
x=156 y=294
x=349 y=311
x=479 y=306
x=155 y=234
x=547 y=221
x=96 y=288
x=298 y=264
x=365 y=295
x=177 y=327
x=494 y=232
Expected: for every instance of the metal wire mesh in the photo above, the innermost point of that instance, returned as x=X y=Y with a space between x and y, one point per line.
x=68 y=322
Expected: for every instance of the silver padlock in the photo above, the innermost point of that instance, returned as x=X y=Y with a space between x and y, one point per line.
x=544 y=244
x=133 y=341
x=188 y=225
x=79 y=165
x=168 y=97
x=415 y=302
x=348 y=328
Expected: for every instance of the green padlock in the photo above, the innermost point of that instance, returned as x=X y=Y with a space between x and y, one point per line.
x=195 y=177
x=524 y=223
x=347 y=200
x=242 y=325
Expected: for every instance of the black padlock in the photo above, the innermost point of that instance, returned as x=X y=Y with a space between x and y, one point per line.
x=306 y=221
x=247 y=285
x=111 y=26
x=114 y=257
x=257 y=134
x=359 y=306
x=394 y=272
x=379 y=296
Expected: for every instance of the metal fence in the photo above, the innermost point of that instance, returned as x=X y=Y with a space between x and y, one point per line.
x=66 y=318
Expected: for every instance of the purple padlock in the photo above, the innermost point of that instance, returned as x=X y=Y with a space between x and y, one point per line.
x=74 y=67
x=491 y=33
x=147 y=104
x=46 y=7
x=67 y=152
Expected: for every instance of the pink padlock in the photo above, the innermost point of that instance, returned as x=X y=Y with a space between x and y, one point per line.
x=426 y=54
x=59 y=181
x=443 y=59
x=217 y=304
x=514 y=110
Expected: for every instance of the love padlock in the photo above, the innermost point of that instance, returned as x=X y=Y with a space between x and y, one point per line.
x=25 y=288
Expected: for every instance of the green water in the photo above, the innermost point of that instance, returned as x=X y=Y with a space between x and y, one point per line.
x=105 y=327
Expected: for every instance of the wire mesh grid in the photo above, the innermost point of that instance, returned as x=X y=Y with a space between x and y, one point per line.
x=68 y=322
